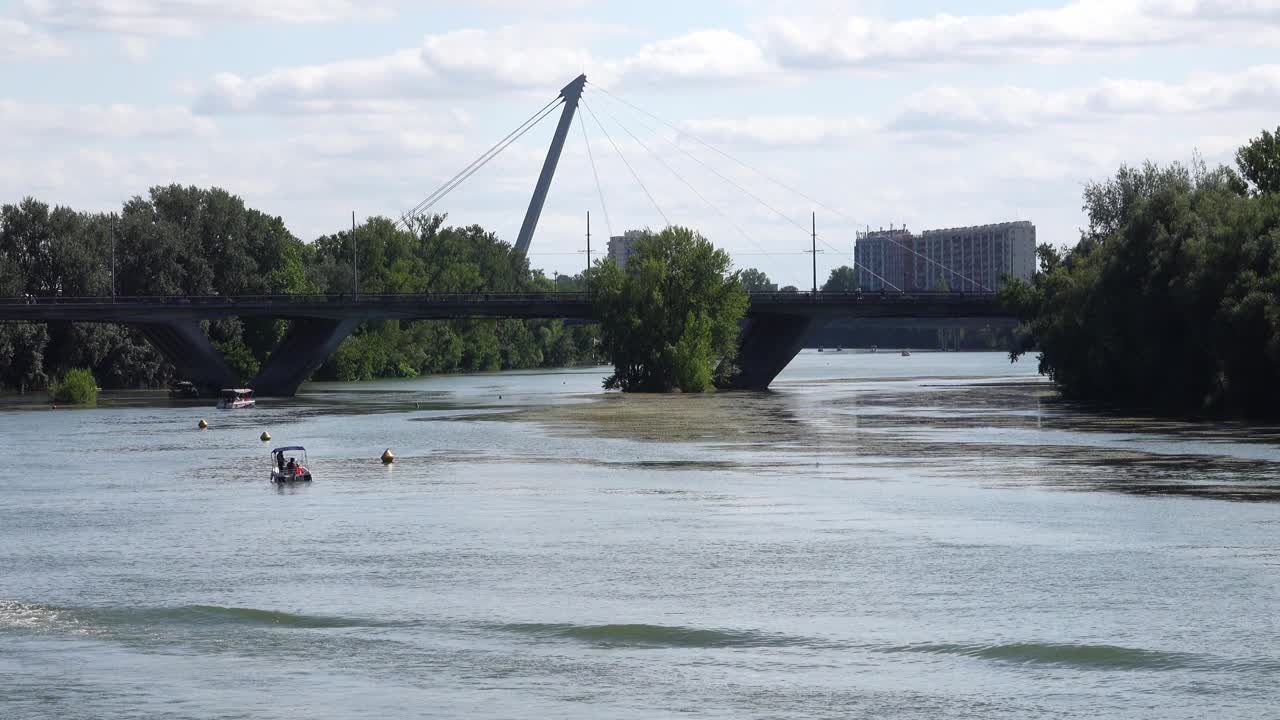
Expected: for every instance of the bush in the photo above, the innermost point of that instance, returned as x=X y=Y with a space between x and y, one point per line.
x=77 y=387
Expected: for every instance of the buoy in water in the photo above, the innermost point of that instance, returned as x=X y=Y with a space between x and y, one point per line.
x=203 y=423
x=265 y=436
x=387 y=457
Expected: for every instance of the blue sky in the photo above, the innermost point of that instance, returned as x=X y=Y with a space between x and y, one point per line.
x=925 y=113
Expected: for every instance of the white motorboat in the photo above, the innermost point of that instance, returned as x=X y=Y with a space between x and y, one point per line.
x=236 y=398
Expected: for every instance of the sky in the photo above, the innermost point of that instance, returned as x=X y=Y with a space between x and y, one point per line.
x=738 y=118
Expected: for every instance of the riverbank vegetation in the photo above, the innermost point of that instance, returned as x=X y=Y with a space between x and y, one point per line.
x=670 y=320
x=1170 y=302
x=190 y=241
x=77 y=387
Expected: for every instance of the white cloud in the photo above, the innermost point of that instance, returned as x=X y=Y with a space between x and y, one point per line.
x=182 y=18
x=780 y=130
x=1049 y=35
x=703 y=55
x=953 y=113
x=118 y=121
x=19 y=41
x=462 y=62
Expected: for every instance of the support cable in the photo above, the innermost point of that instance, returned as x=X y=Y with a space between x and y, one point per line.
x=744 y=164
x=599 y=188
x=480 y=161
x=753 y=197
x=681 y=178
x=477 y=168
x=783 y=185
x=624 y=162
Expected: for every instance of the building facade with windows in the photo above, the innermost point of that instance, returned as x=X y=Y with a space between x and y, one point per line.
x=971 y=259
x=620 y=247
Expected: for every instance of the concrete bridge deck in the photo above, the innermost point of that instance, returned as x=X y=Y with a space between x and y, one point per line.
x=775 y=328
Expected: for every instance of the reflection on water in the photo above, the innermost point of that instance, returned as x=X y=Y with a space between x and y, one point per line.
x=878 y=536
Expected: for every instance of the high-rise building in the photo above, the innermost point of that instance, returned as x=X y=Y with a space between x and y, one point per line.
x=879 y=256
x=620 y=247
x=962 y=258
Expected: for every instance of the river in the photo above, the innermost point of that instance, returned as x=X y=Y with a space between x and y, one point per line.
x=880 y=536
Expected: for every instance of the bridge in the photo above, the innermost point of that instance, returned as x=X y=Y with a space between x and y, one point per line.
x=773 y=332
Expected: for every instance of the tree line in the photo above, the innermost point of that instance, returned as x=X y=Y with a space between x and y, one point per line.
x=1170 y=301
x=182 y=240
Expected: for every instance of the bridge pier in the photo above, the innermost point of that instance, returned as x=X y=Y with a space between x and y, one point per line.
x=184 y=344
x=768 y=343
x=307 y=344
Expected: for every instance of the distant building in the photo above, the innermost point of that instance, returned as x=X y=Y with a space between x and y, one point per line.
x=879 y=256
x=620 y=247
x=962 y=258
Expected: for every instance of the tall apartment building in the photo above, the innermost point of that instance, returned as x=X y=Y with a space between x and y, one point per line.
x=880 y=257
x=620 y=247
x=962 y=258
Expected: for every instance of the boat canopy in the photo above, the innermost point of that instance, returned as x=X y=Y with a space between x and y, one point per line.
x=237 y=391
x=287 y=449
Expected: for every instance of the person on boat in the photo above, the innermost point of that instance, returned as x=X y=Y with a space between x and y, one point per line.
x=292 y=464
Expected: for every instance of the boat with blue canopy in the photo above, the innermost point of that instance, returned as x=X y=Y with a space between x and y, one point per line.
x=285 y=466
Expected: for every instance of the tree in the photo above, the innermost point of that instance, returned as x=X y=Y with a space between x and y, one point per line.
x=670 y=321
x=1170 y=302
x=1259 y=162
x=180 y=240
x=842 y=279
x=754 y=280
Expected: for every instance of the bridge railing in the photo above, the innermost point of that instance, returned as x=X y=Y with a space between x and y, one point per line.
x=768 y=297
x=296 y=299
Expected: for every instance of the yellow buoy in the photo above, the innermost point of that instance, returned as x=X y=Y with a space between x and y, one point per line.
x=265 y=436
x=387 y=457
x=203 y=423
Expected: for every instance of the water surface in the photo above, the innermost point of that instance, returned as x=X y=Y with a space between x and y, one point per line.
x=879 y=536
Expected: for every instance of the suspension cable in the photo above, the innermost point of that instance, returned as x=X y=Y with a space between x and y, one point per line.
x=751 y=195
x=599 y=188
x=480 y=161
x=681 y=178
x=477 y=168
x=783 y=185
x=624 y=162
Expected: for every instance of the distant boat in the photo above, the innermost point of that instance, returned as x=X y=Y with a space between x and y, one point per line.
x=906 y=353
x=874 y=348
x=183 y=390
x=819 y=348
x=236 y=399
x=839 y=349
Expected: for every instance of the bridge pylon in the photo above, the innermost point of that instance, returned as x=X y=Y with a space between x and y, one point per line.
x=571 y=94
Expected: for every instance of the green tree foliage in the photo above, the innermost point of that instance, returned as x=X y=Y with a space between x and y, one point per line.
x=1259 y=162
x=77 y=387
x=842 y=279
x=670 y=321
x=754 y=280
x=181 y=240
x=1171 y=299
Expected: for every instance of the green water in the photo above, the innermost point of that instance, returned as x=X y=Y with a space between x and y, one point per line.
x=880 y=536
